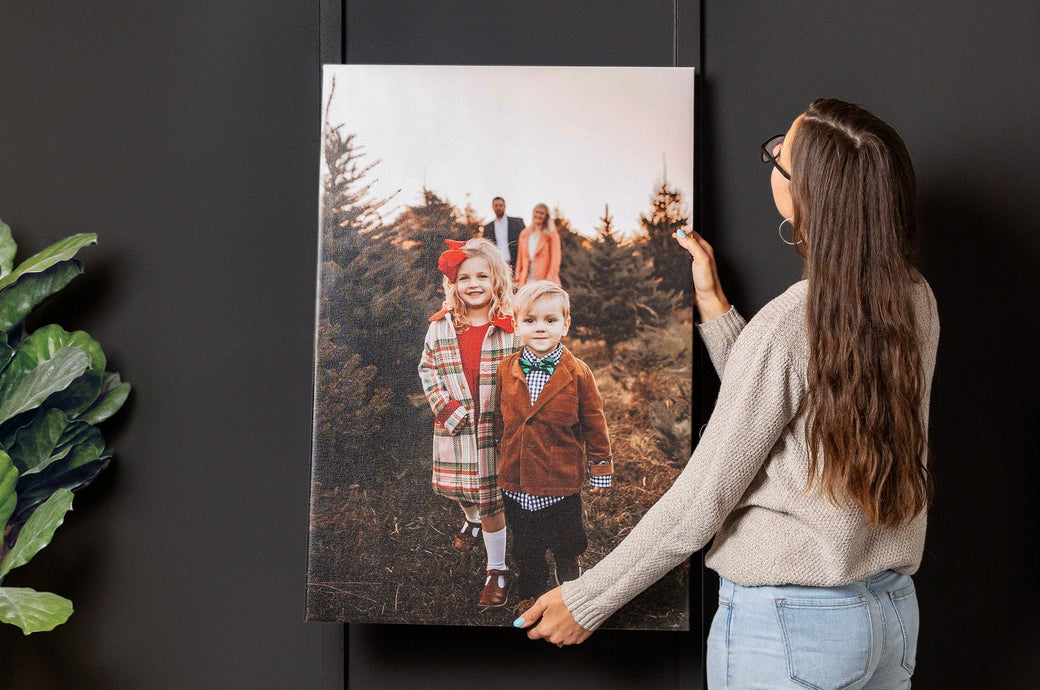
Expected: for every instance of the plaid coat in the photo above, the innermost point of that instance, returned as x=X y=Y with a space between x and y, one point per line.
x=465 y=458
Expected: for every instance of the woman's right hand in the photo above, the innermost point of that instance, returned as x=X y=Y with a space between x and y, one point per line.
x=707 y=291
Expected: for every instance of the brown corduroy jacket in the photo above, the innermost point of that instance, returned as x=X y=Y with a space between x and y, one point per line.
x=548 y=449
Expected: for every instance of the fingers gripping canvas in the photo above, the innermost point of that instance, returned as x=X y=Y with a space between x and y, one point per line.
x=450 y=483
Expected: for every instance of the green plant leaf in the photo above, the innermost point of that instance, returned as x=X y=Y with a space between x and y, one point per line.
x=50 y=437
x=8 y=495
x=62 y=250
x=50 y=376
x=30 y=444
x=111 y=397
x=42 y=345
x=7 y=249
x=37 y=531
x=33 y=611
x=38 y=488
x=6 y=351
x=52 y=469
x=21 y=297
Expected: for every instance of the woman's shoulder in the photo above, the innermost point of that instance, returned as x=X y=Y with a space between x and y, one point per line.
x=785 y=311
x=924 y=290
x=779 y=325
x=927 y=307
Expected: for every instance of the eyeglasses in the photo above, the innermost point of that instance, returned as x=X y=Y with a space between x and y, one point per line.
x=771 y=153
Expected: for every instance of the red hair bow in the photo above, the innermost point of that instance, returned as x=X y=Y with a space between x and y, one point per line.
x=449 y=261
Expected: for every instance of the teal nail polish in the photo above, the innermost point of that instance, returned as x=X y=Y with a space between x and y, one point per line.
x=679 y=233
x=518 y=623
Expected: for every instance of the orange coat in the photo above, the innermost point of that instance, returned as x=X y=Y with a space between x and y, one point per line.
x=546 y=259
x=546 y=449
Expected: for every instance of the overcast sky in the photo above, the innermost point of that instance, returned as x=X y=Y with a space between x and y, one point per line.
x=576 y=138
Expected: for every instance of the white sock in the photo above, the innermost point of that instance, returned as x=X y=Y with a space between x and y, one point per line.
x=472 y=512
x=495 y=543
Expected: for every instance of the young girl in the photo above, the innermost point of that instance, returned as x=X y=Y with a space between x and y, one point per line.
x=464 y=345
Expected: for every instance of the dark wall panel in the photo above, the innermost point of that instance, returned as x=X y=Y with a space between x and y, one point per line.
x=543 y=32
x=959 y=82
x=656 y=33
x=186 y=135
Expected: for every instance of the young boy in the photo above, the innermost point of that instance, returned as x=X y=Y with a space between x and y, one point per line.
x=551 y=434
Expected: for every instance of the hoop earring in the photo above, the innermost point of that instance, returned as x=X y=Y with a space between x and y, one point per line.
x=780 y=231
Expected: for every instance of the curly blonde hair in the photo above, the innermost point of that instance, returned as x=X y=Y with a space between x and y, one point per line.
x=501 y=283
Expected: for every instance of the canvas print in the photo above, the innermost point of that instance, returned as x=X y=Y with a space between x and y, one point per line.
x=503 y=347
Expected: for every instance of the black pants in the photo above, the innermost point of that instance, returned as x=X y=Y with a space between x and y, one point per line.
x=557 y=529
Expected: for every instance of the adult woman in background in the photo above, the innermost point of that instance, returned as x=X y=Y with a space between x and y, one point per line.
x=538 y=250
x=811 y=474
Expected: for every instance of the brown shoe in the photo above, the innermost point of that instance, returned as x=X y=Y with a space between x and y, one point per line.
x=567 y=570
x=521 y=608
x=493 y=596
x=465 y=538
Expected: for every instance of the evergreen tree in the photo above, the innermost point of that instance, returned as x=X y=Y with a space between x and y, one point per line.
x=347 y=210
x=352 y=408
x=393 y=286
x=421 y=231
x=574 y=249
x=671 y=264
x=613 y=290
x=471 y=223
x=352 y=411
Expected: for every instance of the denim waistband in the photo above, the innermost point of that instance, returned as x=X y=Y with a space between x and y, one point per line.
x=875 y=581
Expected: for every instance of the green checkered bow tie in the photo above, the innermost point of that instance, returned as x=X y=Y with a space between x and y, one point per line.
x=546 y=365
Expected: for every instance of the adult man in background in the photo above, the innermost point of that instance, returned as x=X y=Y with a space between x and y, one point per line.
x=504 y=230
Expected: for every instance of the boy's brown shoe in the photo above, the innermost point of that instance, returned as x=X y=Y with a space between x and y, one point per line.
x=493 y=595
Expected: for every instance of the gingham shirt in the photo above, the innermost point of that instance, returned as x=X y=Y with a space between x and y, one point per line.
x=536 y=380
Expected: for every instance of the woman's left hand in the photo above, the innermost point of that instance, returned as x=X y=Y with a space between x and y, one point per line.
x=707 y=290
x=554 y=622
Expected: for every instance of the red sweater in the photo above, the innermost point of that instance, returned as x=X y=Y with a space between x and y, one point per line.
x=471 y=344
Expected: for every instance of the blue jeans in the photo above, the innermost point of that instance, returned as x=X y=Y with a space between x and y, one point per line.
x=862 y=635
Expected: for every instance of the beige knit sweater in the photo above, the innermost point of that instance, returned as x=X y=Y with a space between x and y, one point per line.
x=746 y=481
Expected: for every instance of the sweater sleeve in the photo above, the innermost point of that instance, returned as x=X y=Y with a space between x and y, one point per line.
x=760 y=393
x=719 y=335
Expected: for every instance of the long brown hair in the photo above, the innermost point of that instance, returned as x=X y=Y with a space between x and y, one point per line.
x=853 y=188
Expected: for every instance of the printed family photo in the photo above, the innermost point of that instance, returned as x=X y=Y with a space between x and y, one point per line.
x=503 y=347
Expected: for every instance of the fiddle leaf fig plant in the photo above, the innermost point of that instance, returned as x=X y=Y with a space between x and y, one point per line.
x=53 y=391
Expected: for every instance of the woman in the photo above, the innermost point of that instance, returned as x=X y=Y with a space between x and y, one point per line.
x=538 y=250
x=811 y=473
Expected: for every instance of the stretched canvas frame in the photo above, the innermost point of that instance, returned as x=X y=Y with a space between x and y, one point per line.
x=413 y=155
